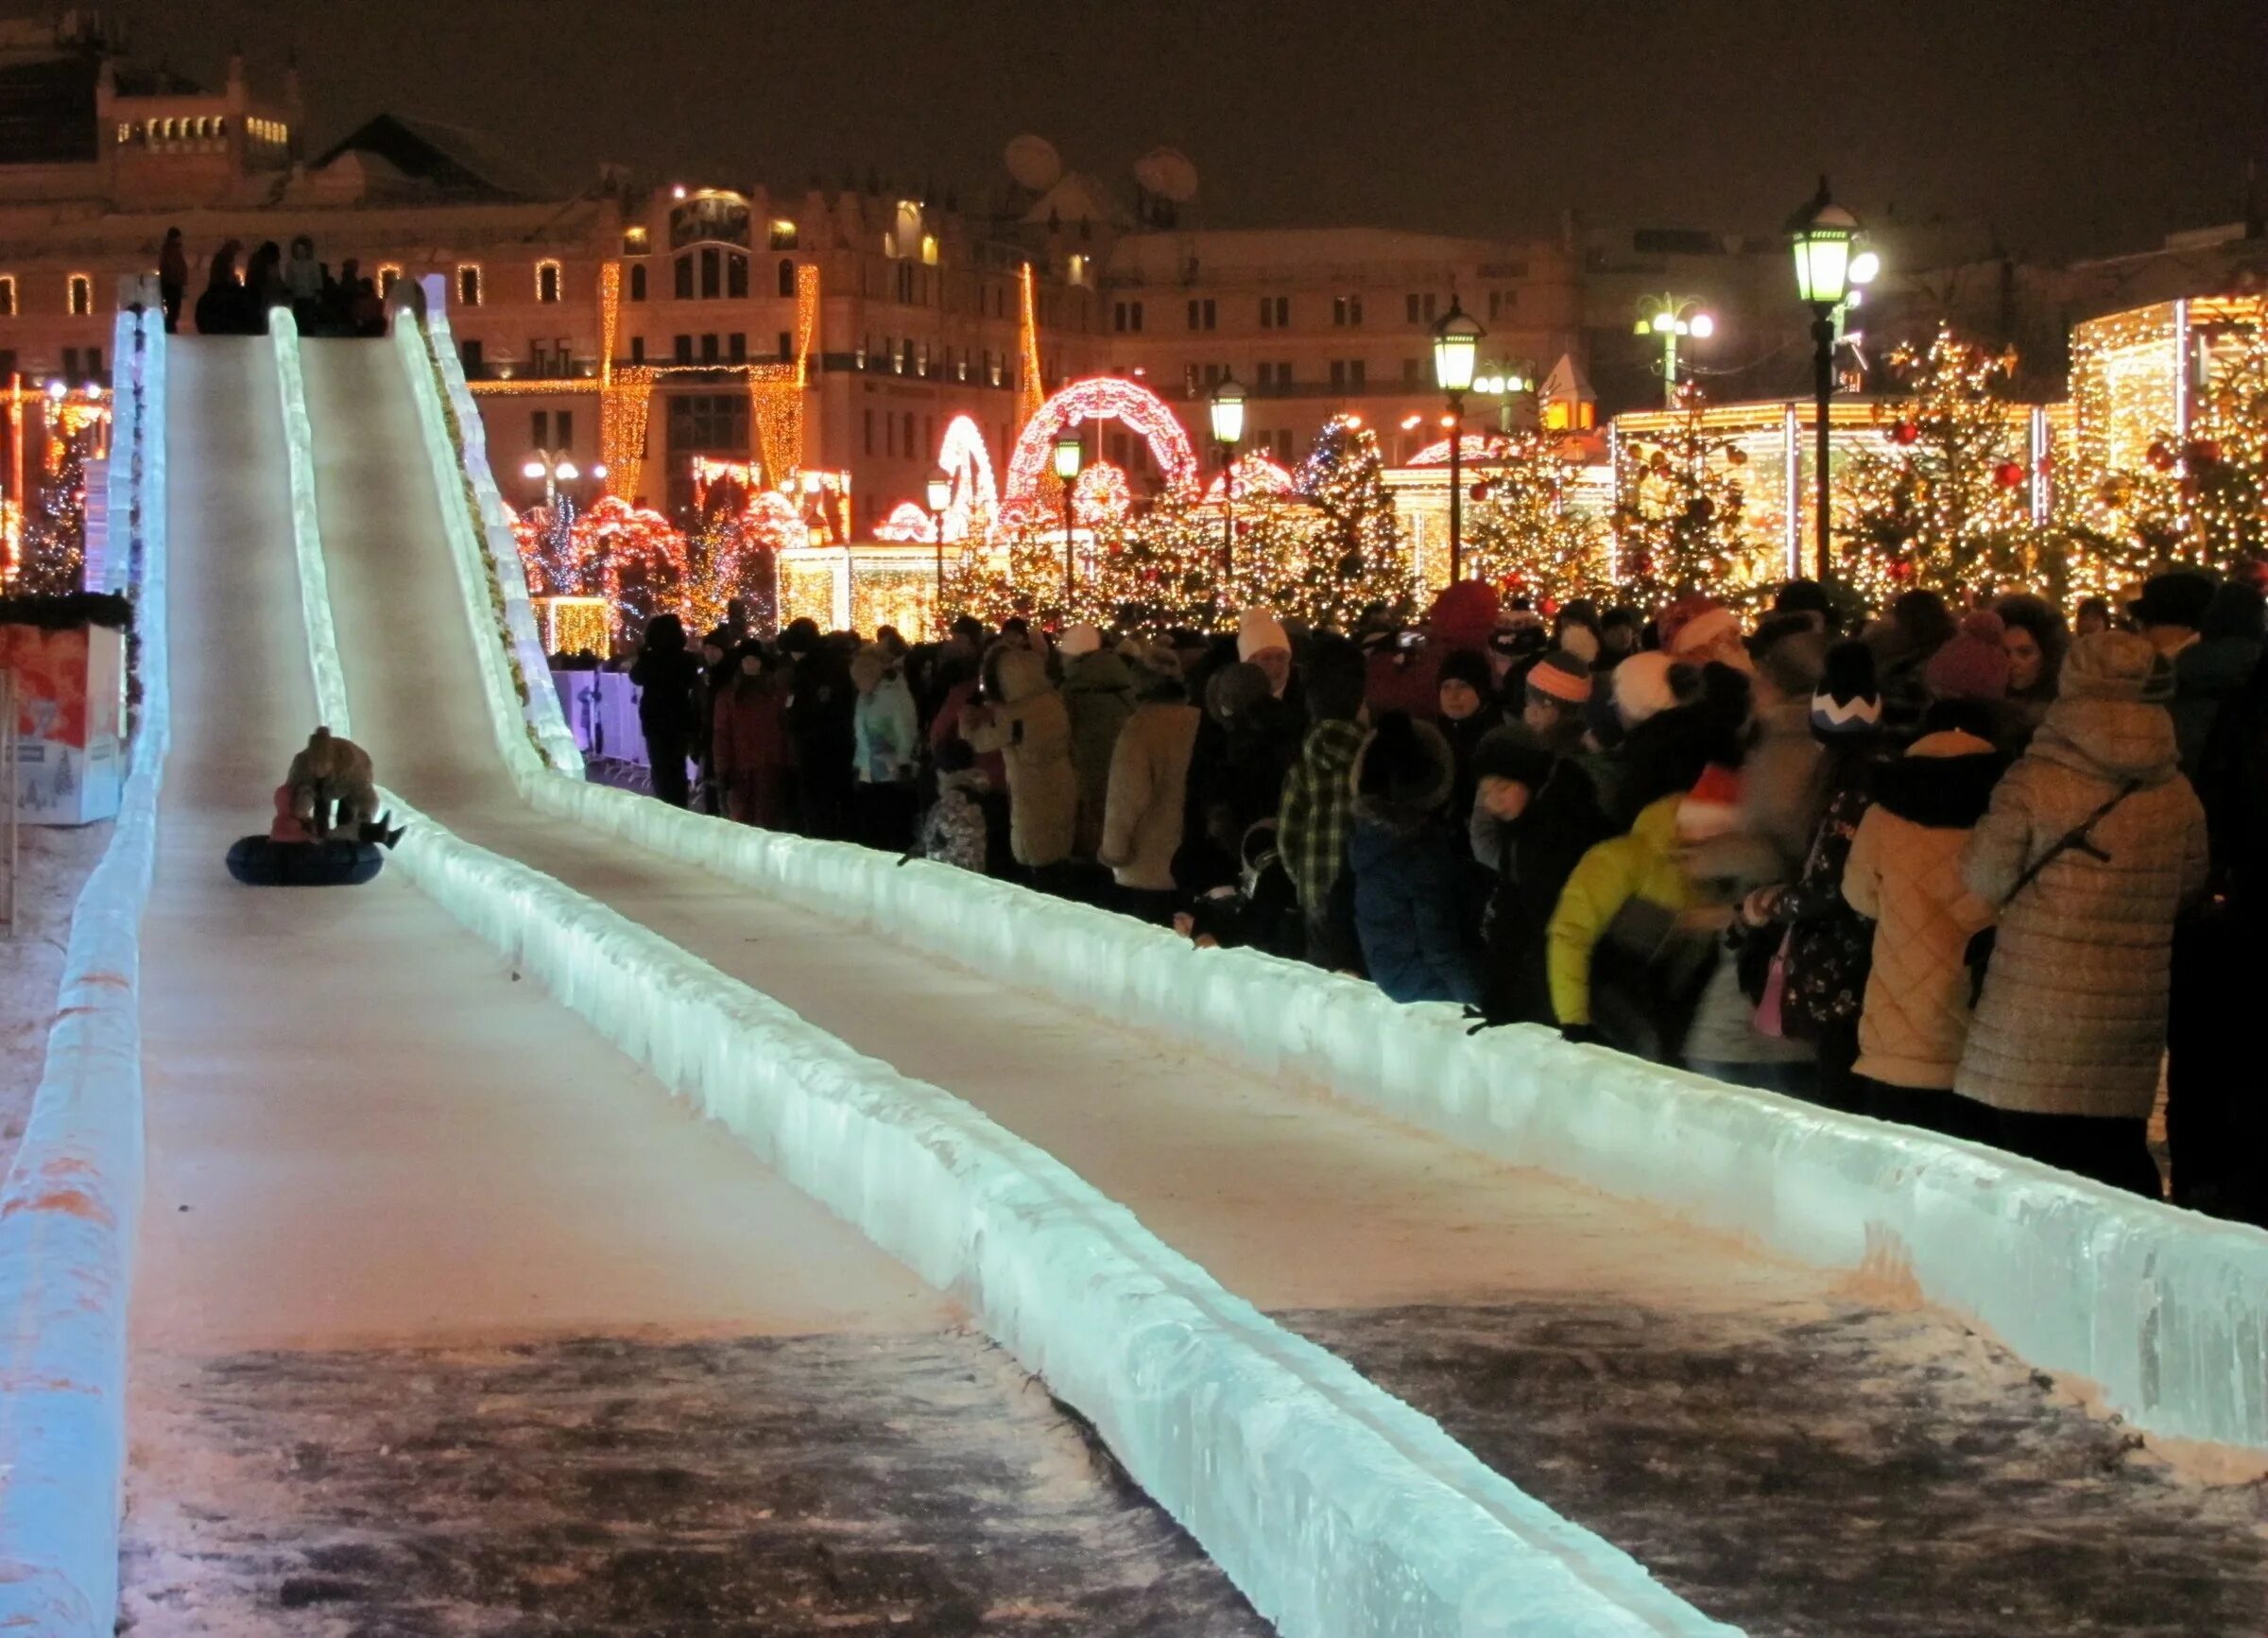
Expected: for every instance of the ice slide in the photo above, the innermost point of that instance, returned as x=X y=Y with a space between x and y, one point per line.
x=1812 y=1412
x=400 y=1202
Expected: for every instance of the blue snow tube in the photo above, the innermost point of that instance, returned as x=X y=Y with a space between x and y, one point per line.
x=261 y=862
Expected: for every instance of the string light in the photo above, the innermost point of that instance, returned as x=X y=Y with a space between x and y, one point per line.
x=1031 y=390
x=1101 y=397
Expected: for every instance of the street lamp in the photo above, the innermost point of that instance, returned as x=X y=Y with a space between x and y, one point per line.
x=1821 y=234
x=1456 y=346
x=1227 y=411
x=1070 y=456
x=551 y=469
x=1672 y=318
x=940 y=496
x=1506 y=384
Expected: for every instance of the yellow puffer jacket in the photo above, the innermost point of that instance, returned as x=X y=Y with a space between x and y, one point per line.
x=1904 y=874
x=1641 y=865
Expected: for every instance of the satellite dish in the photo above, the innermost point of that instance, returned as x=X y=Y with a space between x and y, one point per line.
x=1167 y=173
x=1033 y=163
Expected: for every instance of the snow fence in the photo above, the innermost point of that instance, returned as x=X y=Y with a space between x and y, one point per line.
x=2165 y=1311
x=69 y=1206
x=1336 y=1508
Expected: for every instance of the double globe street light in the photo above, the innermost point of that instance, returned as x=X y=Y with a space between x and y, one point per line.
x=1226 y=408
x=1457 y=350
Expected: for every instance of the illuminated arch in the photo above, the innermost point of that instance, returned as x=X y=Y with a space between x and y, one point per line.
x=1101 y=398
x=907 y=522
x=1257 y=478
x=1438 y=453
x=963 y=457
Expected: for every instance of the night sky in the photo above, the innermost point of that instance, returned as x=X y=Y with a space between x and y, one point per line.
x=2065 y=125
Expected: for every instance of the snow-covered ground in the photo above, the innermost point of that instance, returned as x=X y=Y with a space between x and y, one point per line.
x=54 y=863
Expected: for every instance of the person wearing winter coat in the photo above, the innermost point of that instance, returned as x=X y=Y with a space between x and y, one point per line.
x=1098 y=692
x=1023 y=719
x=1412 y=883
x=953 y=830
x=1534 y=818
x=2033 y=636
x=720 y=662
x=2213 y=670
x=822 y=712
x=886 y=738
x=1317 y=809
x=1621 y=959
x=1146 y=795
x=2070 y=1030
x=1469 y=712
x=665 y=675
x=1904 y=876
x=749 y=745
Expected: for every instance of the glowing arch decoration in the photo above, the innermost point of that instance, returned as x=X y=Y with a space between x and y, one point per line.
x=963 y=457
x=1257 y=478
x=1102 y=495
x=1101 y=398
x=1438 y=453
x=908 y=522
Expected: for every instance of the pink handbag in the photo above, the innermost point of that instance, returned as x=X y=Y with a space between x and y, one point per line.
x=1768 y=1018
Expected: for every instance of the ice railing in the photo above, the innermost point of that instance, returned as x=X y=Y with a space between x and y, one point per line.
x=1334 y=1507
x=2164 y=1311
x=74 y=1193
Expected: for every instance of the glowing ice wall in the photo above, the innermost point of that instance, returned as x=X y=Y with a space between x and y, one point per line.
x=73 y=1195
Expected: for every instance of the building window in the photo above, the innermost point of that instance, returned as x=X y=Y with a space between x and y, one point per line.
x=468 y=283
x=1074 y=270
x=683 y=349
x=909 y=433
x=467 y=353
x=1419 y=307
x=1356 y=373
x=736 y=347
x=870 y=423
x=83 y=294
x=566 y=420
x=637 y=350
x=633 y=241
x=1274 y=312
x=787 y=347
x=539 y=429
x=1346 y=311
x=547 y=283
x=788 y=276
x=784 y=237
x=1346 y=373
x=7 y=295
x=1410 y=367
x=638 y=281
x=1127 y=316
x=682 y=288
x=70 y=364
x=709 y=349
x=1201 y=314
x=713 y=274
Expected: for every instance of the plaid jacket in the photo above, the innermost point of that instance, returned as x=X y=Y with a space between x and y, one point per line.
x=1318 y=811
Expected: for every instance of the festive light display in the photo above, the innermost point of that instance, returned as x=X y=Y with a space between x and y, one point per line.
x=908 y=522
x=1100 y=398
x=1942 y=501
x=1521 y=532
x=1474 y=448
x=1361 y=555
x=2225 y=456
x=1678 y=515
x=1101 y=497
x=1257 y=478
x=1031 y=389
x=51 y=535
x=574 y=624
x=963 y=457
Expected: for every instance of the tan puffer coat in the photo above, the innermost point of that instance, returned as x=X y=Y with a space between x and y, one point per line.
x=1031 y=730
x=2073 y=1019
x=1905 y=876
x=1149 y=787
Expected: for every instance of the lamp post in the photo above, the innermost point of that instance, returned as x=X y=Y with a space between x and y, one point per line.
x=939 y=496
x=1821 y=234
x=1672 y=318
x=551 y=469
x=1456 y=346
x=1227 y=411
x=1070 y=456
x=1506 y=384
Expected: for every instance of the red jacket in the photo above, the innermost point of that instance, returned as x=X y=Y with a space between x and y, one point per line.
x=748 y=733
x=948 y=726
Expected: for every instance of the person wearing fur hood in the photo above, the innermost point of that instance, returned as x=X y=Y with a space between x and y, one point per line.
x=1904 y=876
x=1023 y=719
x=1412 y=885
x=2071 y=1024
x=1147 y=790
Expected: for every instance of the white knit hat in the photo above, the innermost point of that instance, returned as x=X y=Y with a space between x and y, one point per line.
x=1080 y=639
x=1257 y=632
x=1641 y=687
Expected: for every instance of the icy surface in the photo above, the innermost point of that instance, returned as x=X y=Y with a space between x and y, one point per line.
x=69 y=1207
x=1334 y=1507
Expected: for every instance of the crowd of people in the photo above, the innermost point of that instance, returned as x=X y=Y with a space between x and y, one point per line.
x=236 y=298
x=1970 y=869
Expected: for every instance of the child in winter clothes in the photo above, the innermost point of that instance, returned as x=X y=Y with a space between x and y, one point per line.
x=1411 y=881
x=953 y=831
x=1905 y=876
x=749 y=744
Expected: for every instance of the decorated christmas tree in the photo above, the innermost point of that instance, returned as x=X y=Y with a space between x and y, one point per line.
x=1677 y=519
x=2222 y=465
x=1360 y=556
x=55 y=532
x=1519 y=531
x=1942 y=503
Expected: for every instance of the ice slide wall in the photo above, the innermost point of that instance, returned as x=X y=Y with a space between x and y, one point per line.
x=68 y=1208
x=1334 y=1507
x=2166 y=1312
